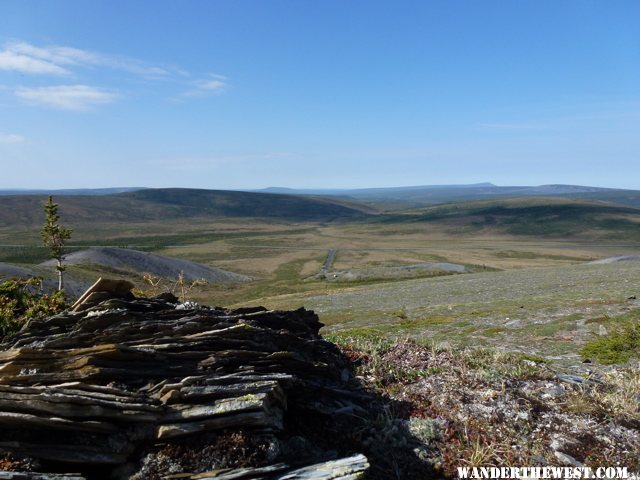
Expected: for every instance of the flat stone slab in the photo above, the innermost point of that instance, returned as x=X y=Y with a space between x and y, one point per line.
x=99 y=386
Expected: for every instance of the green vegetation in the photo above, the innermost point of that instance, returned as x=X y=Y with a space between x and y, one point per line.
x=547 y=217
x=28 y=254
x=550 y=328
x=248 y=204
x=401 y=313
x=54 y=237
x=160 y=205
x=533 y=255
x=493 y=331
x=20 y=301
x=620 y=345
x=558 y=217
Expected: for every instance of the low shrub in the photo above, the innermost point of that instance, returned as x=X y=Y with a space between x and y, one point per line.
x=620 y=345
x=22 y=299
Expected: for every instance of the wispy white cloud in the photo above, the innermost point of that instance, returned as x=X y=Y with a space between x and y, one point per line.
x=57 y=55
x=60 y=60
x=57 y=61
x=17 y=62
x=67 y=97
x=213 y=84
x=11 y=138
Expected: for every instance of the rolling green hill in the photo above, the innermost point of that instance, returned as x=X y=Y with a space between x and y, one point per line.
x=536 y=216
x=174 y=203
x=553 y=217
x=248 y=204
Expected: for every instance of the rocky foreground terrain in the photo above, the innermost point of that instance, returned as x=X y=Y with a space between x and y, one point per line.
x=487 y=407
x=135 y=388
x=152 y=388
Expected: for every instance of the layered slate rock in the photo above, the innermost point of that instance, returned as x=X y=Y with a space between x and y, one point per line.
x=149 y=388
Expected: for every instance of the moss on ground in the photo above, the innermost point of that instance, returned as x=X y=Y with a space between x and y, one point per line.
x=620 y=345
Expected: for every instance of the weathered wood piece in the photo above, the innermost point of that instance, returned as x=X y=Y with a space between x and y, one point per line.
x=108 y=288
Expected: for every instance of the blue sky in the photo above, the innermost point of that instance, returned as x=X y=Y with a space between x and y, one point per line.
x=248 y=94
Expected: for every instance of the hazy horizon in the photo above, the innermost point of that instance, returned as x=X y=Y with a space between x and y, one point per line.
x=296 y=188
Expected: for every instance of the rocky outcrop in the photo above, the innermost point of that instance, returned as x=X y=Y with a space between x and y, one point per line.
x=150 y=388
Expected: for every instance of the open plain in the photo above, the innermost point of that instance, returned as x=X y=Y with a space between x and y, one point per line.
x=493 y=273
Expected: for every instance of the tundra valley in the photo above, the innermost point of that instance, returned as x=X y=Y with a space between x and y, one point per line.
x=512 y=306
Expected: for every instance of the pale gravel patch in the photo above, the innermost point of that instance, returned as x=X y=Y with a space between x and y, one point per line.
x=144 y=262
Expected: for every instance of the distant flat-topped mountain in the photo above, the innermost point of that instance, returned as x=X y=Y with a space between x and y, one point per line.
x=356 y=192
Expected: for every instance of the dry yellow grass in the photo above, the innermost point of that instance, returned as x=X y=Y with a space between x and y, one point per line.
x=266 y=264
x=310 y=267
x=365 y=245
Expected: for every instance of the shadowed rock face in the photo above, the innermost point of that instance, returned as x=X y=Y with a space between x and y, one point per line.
x=145 y=388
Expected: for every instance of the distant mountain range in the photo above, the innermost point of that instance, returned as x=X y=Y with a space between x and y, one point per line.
x=545 y=210
x=390 y=198
x=415 y=196
x=70 y=191
x=445 y=193
x=355 y=192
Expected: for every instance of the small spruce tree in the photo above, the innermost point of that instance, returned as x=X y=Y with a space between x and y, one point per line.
x=54 y=237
